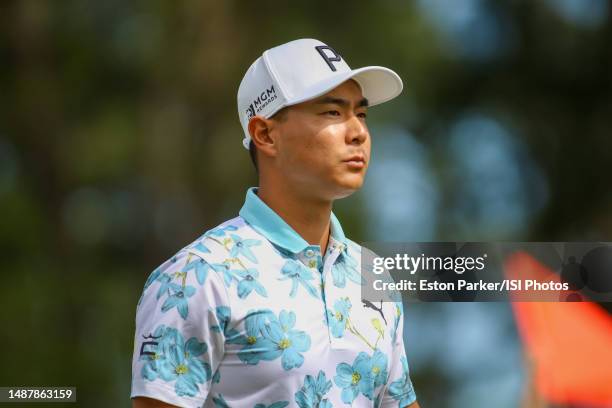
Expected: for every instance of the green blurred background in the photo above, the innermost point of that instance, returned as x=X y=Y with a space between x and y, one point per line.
x=120 y=144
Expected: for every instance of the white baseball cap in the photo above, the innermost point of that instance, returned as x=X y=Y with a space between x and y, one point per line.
x=301 y=70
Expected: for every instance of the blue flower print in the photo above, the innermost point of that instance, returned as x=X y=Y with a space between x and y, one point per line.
x=154 y=356
x=166 y=285
x=249 y=282
x=277 y=404
x=287 y=342
x=179 y=300
x=299 y=274
x=253 y=342
x=224 y=269
x=346 y=267
x=220 y=402
x=153 y=277
x=378 y=400
x=201 y=269
x=258 y=348
x=401 y=389
x=379 y=368
x=156 y=275
x=184 y=367
x=246 y=278
x=241 y=247
x=278 y=339
x=178 y=362
x=312 y=392
x=173 y=285
x=223 y=314
x=257 y=320
x=338 y=318
x=220 y=231
x=355 y=379
x=202 y=248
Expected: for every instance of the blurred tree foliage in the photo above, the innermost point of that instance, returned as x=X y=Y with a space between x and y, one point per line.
x=119 y=144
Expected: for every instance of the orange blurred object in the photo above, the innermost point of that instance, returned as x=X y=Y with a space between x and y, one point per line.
x=570 y=343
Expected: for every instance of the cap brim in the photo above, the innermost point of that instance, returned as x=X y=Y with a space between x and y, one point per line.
x=378 y=85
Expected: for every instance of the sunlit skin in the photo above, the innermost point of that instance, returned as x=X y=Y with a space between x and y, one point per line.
x=317 y=152
x=307 y=150
x=305 y=163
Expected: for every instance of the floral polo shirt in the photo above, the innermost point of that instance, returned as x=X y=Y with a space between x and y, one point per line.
x=250 y=315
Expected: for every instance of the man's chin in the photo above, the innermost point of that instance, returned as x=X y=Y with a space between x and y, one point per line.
x=348 y=187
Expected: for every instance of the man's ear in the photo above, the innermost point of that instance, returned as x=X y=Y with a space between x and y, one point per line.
x=262 y=135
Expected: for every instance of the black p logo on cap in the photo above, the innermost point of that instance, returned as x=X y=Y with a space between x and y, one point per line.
x=328 y=59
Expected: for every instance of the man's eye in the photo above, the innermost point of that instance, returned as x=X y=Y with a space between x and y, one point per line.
x=362 y=115
x=333 y=113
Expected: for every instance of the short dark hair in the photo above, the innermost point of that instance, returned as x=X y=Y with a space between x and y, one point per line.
x=281 y=115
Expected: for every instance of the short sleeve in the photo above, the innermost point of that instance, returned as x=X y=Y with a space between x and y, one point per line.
x=399 y=391
x=180 y=325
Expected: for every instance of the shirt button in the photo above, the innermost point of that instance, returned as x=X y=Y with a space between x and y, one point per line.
x=309 y=253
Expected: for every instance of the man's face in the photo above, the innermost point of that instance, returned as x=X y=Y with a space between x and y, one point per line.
x=324 y=144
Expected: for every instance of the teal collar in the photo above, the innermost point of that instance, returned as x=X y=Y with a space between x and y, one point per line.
x=268 y=223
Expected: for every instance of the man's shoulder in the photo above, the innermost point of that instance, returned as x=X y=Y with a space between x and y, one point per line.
x=215 y=245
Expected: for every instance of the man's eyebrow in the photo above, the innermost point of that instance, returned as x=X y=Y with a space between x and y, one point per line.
x=340 y=101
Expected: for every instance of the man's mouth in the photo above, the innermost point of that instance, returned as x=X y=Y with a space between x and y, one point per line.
x=356 y=161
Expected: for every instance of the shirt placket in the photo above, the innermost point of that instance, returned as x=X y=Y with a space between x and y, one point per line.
x=311 y=258
x=321 y=266
x=328 y=290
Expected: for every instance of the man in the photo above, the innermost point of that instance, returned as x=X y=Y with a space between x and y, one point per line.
x=265 y=310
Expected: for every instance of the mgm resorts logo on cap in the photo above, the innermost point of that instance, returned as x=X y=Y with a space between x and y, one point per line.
x=301 y=70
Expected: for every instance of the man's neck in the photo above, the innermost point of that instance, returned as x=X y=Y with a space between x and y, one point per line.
x=309 y=217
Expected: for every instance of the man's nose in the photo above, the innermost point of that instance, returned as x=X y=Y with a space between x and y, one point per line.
x=356 y=132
